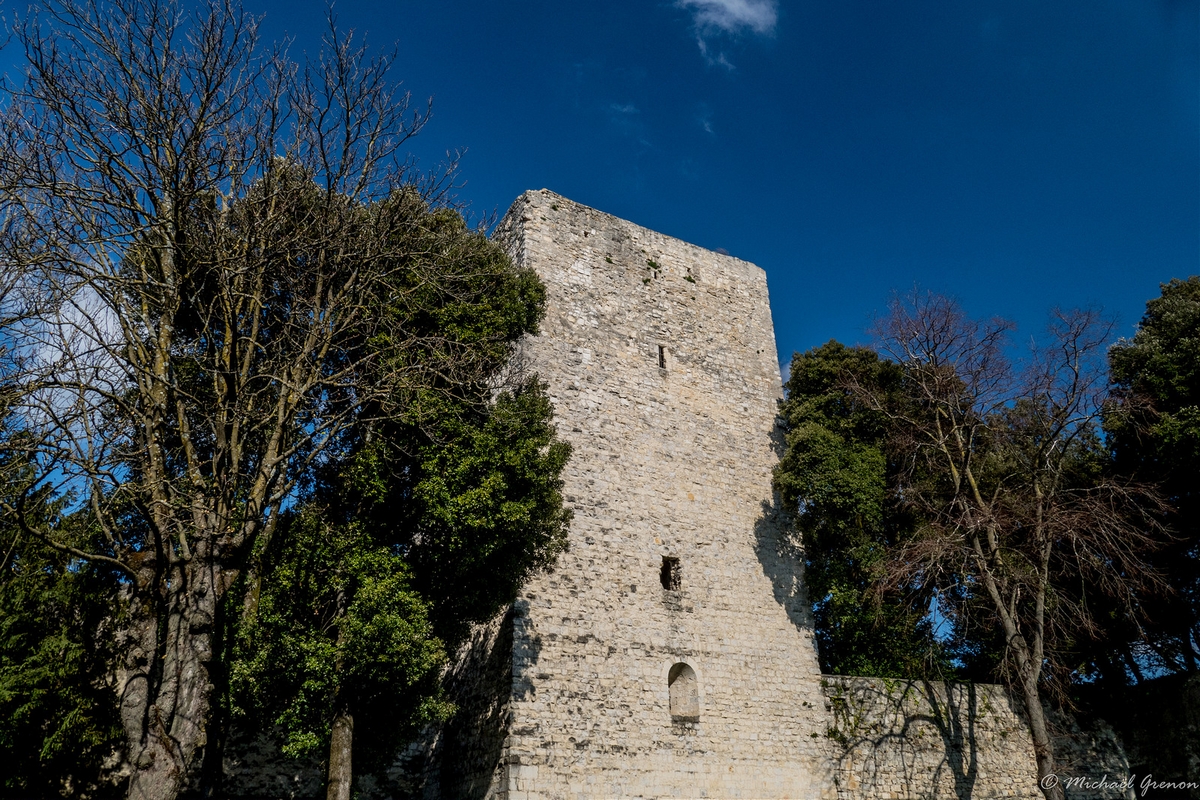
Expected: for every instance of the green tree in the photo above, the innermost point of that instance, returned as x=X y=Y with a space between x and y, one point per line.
x=58 y=711
x=455 y=485
x=452 y=516
x=216 y=236
x=58 y=720
x=838 y=475
x=340 y=644
x=487 y=507
x=1154 y=434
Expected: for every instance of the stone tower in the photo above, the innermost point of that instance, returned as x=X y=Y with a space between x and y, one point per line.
x=670 y=652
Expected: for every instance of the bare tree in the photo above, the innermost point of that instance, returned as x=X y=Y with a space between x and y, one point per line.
x=219 y=242
x=1003 y=465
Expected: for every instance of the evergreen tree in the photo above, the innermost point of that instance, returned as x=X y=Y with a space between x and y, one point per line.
x=1154 y=434
x=428 y=517
x=836 y=475
x=58 y=711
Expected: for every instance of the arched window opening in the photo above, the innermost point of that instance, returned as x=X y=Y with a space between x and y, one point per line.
x=685 y=693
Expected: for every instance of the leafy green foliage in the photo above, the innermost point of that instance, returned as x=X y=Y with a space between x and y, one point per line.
x=58 y=719
x=338 y=620
x=434 y=509
x=1154 y=433
x=463 y=474
x=396 y=555
x=487 y=507
x=835 y=475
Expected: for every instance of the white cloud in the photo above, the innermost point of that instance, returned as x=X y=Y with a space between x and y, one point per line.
x=733 y=16
x=713 y=61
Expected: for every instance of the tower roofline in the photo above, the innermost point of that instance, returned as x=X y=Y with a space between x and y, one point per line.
x=605 y=220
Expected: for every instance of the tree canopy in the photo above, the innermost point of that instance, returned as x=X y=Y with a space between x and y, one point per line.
x=58 y=720
x=934 y=471
x=233 y=289
x=837 y=473
x=1154 y=433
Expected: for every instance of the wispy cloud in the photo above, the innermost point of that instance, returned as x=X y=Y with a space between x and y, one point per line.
x=719 y=60
x=733 y=16
x=713 y=18
x=626 y=118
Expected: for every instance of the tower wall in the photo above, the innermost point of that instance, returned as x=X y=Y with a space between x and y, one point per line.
x=567 y=694
x=661 y=363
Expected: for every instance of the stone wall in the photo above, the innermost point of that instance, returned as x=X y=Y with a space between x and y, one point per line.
x=464 y=758
x=918 y=739
x=255 y=768
x=660 y=359
x=1159 y=723
x=661 y=363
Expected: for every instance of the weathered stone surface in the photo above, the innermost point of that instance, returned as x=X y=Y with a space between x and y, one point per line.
x=919 y=739
x=670 y=652
x=661 y=363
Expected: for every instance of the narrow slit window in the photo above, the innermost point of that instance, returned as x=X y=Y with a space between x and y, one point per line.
x=662 y=357
x=670 y=576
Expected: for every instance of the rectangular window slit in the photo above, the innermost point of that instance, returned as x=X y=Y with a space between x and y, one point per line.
x=662 y=357
x=670 y=574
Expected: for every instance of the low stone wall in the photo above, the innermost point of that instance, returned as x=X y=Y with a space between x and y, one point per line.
x=915 y=739
x=1159 y=723
x=887 y=739
x=255 y=768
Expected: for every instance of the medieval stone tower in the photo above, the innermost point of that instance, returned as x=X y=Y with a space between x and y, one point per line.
x=669 y=653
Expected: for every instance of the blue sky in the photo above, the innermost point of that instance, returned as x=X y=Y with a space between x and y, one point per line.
x=1018 y=154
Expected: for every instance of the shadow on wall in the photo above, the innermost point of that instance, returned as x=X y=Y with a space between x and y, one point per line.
x=464 y=758
x=920 y=736
x=778 y=547
x=1159 y=724
x=957 y=740
x=883 y=734
x=782 y=558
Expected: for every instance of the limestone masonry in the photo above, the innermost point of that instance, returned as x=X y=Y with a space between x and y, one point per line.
x=670 y=652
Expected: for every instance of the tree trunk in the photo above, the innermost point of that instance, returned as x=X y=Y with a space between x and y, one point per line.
x=341 y=773
x=166 y=691
x=212 y=768
x=1043 y=747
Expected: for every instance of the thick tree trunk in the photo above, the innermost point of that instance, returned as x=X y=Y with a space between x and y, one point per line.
x=1043 y=746
x=341 y=773
x=166 y=691
x=212 y=768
